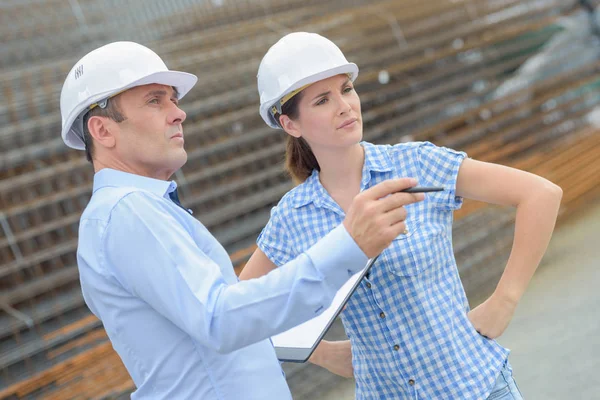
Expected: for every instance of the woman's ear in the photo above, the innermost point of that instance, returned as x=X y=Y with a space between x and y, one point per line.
x=289 y=126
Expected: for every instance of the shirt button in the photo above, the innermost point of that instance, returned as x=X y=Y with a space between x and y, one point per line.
x=382 y=314
x=396 y=347
x=369 y=285
x=411 y=382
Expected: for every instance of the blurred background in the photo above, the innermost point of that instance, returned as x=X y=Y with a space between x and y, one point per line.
x=514 y=82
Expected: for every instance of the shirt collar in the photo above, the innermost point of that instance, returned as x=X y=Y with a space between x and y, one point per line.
x=308 y=191
x=108 y=177
x=377 y=159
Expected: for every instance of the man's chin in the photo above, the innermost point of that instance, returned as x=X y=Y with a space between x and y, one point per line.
x=182 y=158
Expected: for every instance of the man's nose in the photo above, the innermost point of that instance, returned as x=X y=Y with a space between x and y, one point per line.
x=177 y=116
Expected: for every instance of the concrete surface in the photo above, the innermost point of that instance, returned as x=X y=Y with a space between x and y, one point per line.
x=555 y=333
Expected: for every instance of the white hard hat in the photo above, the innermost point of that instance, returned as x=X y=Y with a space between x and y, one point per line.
x=106 y=72
x=295 y=61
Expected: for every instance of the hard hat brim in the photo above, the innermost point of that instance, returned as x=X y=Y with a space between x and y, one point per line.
x=349 y=68
x=72 y=132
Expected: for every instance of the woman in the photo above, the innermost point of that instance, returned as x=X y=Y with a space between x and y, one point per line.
x=411 y=332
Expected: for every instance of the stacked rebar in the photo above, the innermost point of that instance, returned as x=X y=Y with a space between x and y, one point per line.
x=512 y=82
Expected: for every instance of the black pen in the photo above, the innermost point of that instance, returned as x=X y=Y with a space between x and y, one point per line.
x=423 y=189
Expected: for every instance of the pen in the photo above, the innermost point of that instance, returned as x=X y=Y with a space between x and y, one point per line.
x=423 y=189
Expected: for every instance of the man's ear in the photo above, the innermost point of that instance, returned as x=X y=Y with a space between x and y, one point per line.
x=102 y=129
x=289 y=126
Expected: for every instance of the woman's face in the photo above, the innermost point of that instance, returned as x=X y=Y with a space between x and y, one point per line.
x=329 y=115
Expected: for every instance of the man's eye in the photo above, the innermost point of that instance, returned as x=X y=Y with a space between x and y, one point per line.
x=154 y=101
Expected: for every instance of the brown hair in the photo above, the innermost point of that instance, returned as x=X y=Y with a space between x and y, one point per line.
x=112 y=111
x=300 y=161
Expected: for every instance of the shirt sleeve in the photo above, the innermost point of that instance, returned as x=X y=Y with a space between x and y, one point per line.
x=274 y=240
x=439 y=166
x=156 y=259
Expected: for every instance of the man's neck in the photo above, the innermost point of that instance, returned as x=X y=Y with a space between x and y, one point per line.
x=118 y=165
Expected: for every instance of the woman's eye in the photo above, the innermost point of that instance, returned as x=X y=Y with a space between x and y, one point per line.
x=154 y=101
x=348 y=89
x=322 y=101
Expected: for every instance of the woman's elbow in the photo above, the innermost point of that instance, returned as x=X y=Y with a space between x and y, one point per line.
x=554 y=191
x=551 y=192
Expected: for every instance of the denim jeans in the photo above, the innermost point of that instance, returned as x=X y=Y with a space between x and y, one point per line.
x=506 y=387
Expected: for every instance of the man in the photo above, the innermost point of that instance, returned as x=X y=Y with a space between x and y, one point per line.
x=162 y=285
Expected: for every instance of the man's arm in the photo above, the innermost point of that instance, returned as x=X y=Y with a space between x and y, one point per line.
x=184 y=285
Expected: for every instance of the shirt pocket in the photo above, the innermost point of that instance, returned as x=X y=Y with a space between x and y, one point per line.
x=397 y=257
x=422 y=247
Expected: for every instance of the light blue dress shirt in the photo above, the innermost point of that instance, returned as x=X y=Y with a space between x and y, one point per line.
x=172 y=306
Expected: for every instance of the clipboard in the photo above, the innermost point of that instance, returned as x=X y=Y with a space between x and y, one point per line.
x=298 y=343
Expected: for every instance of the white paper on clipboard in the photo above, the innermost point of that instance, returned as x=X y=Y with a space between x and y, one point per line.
x=308 y=333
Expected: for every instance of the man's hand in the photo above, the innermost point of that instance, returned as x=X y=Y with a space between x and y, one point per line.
x=492 y=316
x=376 y=216
x=336 y=357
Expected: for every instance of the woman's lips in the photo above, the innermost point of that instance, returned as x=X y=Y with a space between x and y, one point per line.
x=349 y=123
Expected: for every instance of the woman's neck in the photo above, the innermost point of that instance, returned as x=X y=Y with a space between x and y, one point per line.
x=341 y=172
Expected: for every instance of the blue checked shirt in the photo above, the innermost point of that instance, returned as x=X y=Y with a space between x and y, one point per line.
x=172 y=305
x=408 y=325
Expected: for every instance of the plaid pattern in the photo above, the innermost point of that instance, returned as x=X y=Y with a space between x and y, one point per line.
x=411 y=338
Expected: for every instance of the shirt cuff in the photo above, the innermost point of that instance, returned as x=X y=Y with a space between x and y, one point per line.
x=337 y=256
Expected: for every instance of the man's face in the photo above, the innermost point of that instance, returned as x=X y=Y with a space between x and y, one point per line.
x=150 y=140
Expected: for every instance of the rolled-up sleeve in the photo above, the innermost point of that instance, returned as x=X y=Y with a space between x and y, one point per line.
x=439 y=166
x=274 y=240
x=154 y=257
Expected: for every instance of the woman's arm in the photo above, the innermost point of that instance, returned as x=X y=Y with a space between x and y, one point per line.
x=333 y=356
x=537 y=201
x=257 y=266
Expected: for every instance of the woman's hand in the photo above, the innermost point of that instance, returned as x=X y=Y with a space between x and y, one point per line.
x=335 y=357
x=492 y=316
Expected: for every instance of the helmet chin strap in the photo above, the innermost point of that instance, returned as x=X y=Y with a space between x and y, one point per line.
x=276 y=109
x=102 y=104
x=78 y=123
